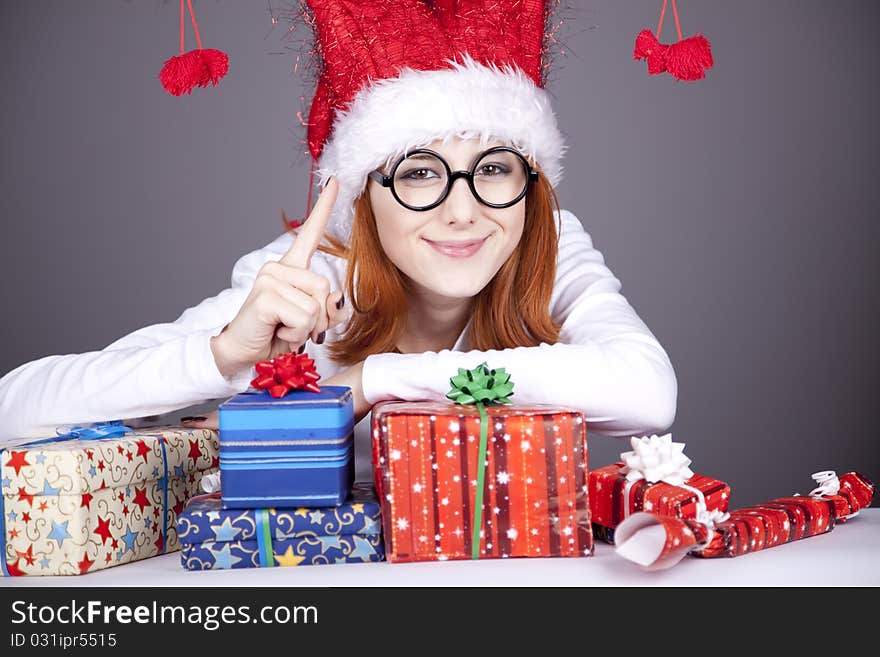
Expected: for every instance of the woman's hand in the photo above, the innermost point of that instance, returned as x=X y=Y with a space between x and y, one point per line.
x=351 y=377
x=287 y=305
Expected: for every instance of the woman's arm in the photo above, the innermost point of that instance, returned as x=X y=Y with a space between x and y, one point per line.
x=150 y=371
x=41 y=395
x=606 y=363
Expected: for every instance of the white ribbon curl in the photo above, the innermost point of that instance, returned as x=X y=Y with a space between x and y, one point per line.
x=829 y=485
x=211 y=482
x=708 y=519
x=828 y=482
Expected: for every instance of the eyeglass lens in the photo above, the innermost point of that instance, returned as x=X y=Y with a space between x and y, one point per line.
x=499 y=177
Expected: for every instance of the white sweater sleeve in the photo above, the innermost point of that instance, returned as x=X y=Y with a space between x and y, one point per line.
x=153 y=370
x=607 y=362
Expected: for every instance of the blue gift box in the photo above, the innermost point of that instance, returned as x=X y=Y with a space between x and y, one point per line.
x=213 y=537
x=296 y=450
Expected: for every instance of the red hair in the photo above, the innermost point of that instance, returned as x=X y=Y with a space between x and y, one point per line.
x=513 y=310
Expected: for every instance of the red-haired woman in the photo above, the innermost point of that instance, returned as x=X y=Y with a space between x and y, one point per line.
x=436 y=243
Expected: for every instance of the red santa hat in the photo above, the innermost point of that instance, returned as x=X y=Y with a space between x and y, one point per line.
x=397 y=75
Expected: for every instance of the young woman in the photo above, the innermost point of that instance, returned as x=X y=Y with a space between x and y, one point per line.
x=436 y=243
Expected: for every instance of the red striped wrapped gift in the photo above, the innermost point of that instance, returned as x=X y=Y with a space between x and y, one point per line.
x=787 y=519
x=750 y=529
x=535 y=496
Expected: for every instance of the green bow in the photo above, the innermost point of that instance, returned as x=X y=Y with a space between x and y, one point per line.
x=480 y=386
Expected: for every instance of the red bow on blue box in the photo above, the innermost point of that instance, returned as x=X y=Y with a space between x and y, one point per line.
x=285 y=373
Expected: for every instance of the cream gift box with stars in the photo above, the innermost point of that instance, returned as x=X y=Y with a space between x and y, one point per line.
x=75 y=506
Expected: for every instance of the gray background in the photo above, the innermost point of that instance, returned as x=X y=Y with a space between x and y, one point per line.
x=740 y=212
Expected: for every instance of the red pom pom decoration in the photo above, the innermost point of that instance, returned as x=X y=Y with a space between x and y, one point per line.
x=196 y=68
x=285 y=373
x=647 y=47
x=687 y=60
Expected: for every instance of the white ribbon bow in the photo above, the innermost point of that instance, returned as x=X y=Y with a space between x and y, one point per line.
x=656 y=458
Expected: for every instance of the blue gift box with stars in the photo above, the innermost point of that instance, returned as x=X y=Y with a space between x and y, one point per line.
x=296 y=450
x=214 y=537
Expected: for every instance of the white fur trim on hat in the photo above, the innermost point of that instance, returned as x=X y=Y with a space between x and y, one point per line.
x=469 y=100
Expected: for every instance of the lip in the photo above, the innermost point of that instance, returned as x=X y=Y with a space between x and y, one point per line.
x=458 y=249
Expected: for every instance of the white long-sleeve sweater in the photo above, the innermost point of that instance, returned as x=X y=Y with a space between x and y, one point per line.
x=606 y=363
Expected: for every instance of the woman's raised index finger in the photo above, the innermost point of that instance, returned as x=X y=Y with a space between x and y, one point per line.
x=311 y=232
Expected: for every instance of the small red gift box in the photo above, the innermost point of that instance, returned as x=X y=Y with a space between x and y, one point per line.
x=641 y=484
x=535 y=497
x=610 y=502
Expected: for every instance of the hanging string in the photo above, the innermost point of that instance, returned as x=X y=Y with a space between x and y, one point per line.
x=181 y=27
x=677 y=24
x=663 y=13
x=199 y=67
x=192 y=16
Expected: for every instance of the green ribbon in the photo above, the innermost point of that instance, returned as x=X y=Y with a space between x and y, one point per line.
x=480 y=386
x=264 y=539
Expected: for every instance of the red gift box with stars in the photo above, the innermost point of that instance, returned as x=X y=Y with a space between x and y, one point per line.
x=613 y=498
x=77 y=505
x=534 y=491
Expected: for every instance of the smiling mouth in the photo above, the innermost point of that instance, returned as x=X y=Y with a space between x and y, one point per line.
x=463 y=249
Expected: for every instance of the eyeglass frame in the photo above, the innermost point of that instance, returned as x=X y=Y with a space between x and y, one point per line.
x=452 y=176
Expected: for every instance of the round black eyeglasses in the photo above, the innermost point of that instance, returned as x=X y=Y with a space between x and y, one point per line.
x=421 y=179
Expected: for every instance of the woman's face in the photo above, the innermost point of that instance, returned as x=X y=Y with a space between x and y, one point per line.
x=435 y=249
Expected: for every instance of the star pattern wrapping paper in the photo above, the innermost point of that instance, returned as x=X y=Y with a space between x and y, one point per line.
x=535 y=501
x=216 y=538
x=302 y=551
x=608 y=508
x=75 y=506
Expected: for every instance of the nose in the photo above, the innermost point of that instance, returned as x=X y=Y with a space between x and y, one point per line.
x=460 y=205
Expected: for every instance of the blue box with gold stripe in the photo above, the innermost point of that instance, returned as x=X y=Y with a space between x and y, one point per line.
x=296 y=450
x=212 y=537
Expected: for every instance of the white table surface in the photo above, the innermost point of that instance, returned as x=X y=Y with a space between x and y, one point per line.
x=847 y=556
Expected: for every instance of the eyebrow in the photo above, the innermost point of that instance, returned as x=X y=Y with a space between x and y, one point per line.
x=420 y=156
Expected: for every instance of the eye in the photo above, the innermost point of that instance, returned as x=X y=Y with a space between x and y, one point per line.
x=492 y=169
x=419 y=174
